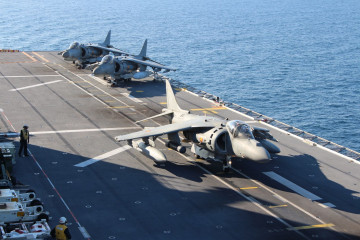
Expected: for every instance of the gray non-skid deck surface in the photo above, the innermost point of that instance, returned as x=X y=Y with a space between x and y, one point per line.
x=127 y=196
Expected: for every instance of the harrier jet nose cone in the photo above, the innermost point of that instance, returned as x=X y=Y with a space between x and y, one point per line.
x=251 y=149
x=99 y=71
x=66 y=54
x=96 y=71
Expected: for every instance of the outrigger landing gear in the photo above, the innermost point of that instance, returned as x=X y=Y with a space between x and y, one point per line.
x=78 y=64
x=227 y=164
x=156 y=76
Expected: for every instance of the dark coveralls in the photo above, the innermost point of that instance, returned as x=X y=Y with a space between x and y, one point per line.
x=60 y=232
x=24 y=140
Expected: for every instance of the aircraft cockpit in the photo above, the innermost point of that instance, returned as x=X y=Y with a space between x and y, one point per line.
x=239 y=129
x=107 y=59
x=74 y=45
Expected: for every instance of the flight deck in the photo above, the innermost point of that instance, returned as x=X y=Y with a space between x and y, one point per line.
x=108 y=190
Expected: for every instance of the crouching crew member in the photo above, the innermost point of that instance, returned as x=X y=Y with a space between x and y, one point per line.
x=24 y=140
x=61 y=231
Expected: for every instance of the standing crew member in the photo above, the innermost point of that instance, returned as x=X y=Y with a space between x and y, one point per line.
x=24 y=140
x=61 y=231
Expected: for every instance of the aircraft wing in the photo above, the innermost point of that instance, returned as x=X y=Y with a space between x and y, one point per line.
x=113 y=50
x=161 y=130
x=260 y=129
x=262 y=133
x=149 y=63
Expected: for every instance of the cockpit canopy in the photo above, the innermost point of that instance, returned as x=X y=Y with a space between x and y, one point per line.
x=107 y=59
x=239 y=129
x=74 y=45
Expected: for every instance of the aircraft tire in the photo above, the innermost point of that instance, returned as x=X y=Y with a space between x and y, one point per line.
x=43 y=216
x=35 y=202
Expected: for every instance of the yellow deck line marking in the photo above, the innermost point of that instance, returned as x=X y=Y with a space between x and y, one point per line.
x=278 y=206
x=121 y=107
x=209 y=112
x=246 y=188
x=207 y=109
x=140 y=91
x=102 y=95
x=33 y=59
x=41 y=57
x=163 y=103
x=311 y=227
x=110 y=101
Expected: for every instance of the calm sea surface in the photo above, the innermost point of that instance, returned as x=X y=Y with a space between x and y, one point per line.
x=295 y=61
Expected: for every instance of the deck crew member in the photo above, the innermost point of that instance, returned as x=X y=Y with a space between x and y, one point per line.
x=24 y=140
x=61 y=231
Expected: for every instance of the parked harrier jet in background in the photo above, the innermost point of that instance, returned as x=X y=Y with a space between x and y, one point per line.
x=211 y=137
x=82 y=54
x=127 y=67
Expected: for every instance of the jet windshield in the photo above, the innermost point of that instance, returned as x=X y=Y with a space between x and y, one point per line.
x=107 y=59
x=239 y=129
x=74 y=45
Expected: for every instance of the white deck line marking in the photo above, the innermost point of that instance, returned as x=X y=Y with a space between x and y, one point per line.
x=29 y=76
x=132 y=98
x=84 y=232
x=36 y=85
x=292 y=186
x=103 y=82
x=83 y=130
x=327 y=205
x=103 y=156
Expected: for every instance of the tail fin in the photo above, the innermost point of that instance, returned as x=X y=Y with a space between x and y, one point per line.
x=106 y=43
x=171 y=100
x=142 y=53
x=172 y=105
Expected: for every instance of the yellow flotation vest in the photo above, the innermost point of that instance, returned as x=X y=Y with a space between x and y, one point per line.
x=60 y=232
x=25 y=134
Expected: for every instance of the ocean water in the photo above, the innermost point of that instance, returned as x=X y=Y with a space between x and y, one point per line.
x=295 y=61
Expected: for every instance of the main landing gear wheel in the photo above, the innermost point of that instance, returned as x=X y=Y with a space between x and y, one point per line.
x=227 y=164
x=43 y=216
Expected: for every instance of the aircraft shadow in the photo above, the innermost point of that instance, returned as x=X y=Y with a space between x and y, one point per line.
x=144 y=88
x=132 y=200
x=307 y=172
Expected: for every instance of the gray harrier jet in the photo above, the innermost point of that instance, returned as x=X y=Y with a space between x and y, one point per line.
x=82 y=54
x=211 y=137
x=127 y=67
